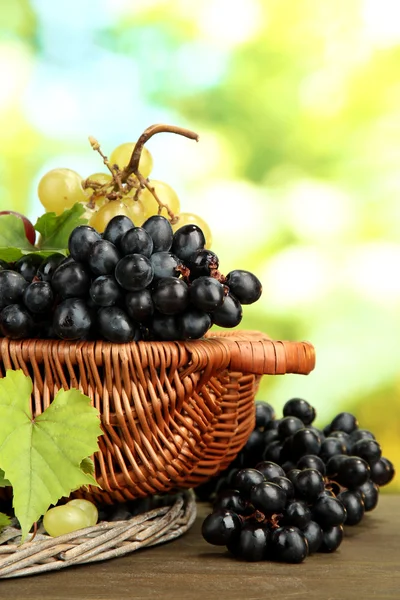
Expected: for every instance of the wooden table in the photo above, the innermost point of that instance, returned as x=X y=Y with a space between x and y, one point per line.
x=367 y=565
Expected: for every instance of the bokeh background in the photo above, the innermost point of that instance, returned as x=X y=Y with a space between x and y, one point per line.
x=297 y=103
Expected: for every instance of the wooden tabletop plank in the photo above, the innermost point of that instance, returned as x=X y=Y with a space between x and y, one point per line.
x=366 y=566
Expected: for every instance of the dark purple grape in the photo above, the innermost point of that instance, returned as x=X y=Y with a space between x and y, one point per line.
x=116 y=228
x=81 y=241
x=331 y=539
x=361 y=434
x=296 y=514
x=288 y=426
x=103 y=258
x=72 y=319
x=252 y=543
x=311 y=461
x=139 y=305
x=244 y=286
x=171 y=296
x=328 y=512
x=201 y=263
x=187 y=240
x=270 y=469
x=28 y=265
x=193 y=323
x=48 y=266
x=229 y=314
x=273 y=452
x=165 y=264
x=370 y=494
x=369 y=450
x=382 y=471
x=12 y=288
x=221 y=527
x=344 y=422
x=289 y=545
x=313 y=534
x=285 y=484
x=330 y=447
x=165 y=327
x=309 y=484
x=160 y=231
x=267 y=497
x=38 y=297
x=305 y=441
x=296 y=407
x=71 y=280
x=15 y=321
x=332 y=465
x=105 y=291
x=136 y=241
x=353 y=472
x=233 y=501
x=245 y=479
x=264 y=414
x=115 y=325
x=354 y=505
x=206 y=293
x=134 y=272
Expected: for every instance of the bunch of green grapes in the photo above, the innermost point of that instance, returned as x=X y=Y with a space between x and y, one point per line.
x=104 y=196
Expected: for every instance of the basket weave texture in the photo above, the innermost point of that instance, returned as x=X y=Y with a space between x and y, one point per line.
x=173 y=413
x=101 y=542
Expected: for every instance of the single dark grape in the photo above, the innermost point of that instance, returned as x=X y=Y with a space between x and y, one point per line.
x=313 y=534
x=354 y=505
x=38 y=297
x=245 y=479
x=289 y=545
x=165 y=264
x=233 y=501
x=244 y=286
x=229 y=314
x=136 y=241
x=268 y=436
x=288 y=466
x=288 y=426
x=369 y=450
x=331 y=539
x=382 y=471
x=273 y=452
x=48 y=266
x=116 y=228
x=296 y=514
x=201 y=263
x=311 y=461
x=343 y=437
x=28 y=265
x=344 y=422
x=286 y=450
x=264 y=414
x=206 y=293
x=105 y=291
x=328 y=512
x=134 y=272
x=160 y=231
x=12 y=287
x=296 y=407
x=221 y=527
x=115 y=325
x=285 y=484
x=103 y=258
x=72 y=319
x=305 y=441
x=139 y=305
x=309 y=484
x=267 y=497
x=71 y=280
x=193 y=323
x=353 y=472
x=292 y=474
x=187 y=240
x=253 y=450
x=361 y=434
x=252 y=543
x=15 y=322
x=165 y=327
x=270 y=469
x=81 y=241
x=171 y=296
x=332 y=465
x=370 y=494
x=330 y=447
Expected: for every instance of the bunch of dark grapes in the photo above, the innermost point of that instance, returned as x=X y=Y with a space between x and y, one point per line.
x=293 y=487
x=128 y=284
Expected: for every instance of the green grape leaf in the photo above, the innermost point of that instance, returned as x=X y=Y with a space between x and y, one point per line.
x=3 y=481
x=4 y=520
x=42 y=456
x=13 y=241
x=55 y=229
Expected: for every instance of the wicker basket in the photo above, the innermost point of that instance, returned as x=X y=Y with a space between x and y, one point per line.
x=173 y=413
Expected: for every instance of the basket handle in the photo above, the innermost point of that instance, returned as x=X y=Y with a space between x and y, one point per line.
x=263 y=356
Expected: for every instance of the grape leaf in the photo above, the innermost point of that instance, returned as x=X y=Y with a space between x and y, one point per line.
x=55 y=229
x=4 y=520
x=13 y=241
x=41 y=456
x=3 y=481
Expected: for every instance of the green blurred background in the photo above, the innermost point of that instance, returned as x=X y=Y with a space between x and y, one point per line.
x=297 y=103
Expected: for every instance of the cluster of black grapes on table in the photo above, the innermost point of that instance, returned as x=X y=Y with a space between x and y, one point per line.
x=293 y=487
x=127 y=284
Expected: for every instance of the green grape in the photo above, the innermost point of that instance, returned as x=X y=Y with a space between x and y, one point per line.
x=165 y=194
x=88 y=507
x=111 y=209
x=137 y=210
x=103 y=179
x=121 y=156
x=187 y=218
x=60 y=189
x=64 y=519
